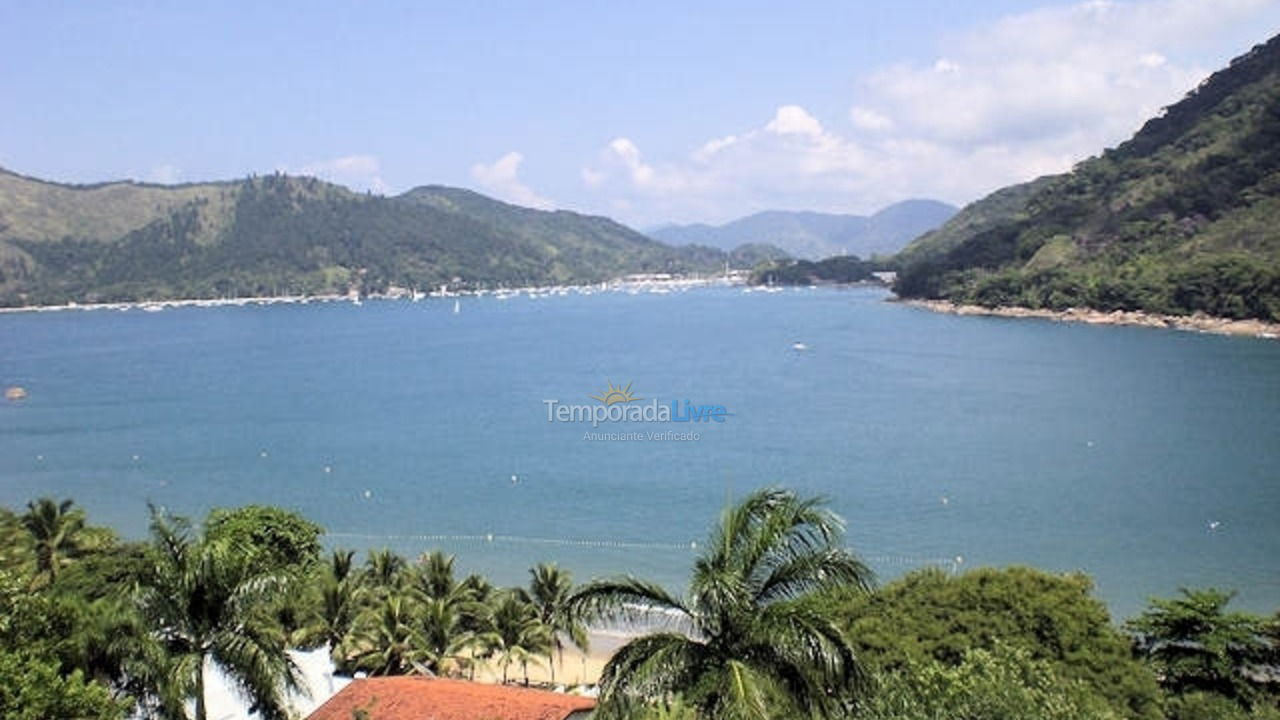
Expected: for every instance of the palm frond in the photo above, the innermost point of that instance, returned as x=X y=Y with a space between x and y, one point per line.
x=808 y=653
x=626 y=599
x=746 y=693
x=261 y=669
x=814 y=572
x=648 y=669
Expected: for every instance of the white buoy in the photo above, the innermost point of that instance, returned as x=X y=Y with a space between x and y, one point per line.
x=368 y=494
x=1213 y=525
x=262 y=454
x=135 y=458
x=328 y=469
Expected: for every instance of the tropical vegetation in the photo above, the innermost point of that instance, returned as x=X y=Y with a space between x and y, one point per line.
x=751 y=638
x=1179 y=219
x=780 y=620
x=840 y=270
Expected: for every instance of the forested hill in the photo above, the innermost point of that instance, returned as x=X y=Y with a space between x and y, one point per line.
x=279 y=234
x=1183 y=217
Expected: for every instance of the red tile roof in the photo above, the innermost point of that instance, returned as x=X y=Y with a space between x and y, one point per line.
x=425 y=698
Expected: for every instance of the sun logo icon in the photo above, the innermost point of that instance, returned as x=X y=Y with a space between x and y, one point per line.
x=615 y=395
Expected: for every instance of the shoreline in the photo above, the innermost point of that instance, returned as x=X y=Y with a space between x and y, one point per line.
x=573 y=668
x=632 y=285
x=1198 y=322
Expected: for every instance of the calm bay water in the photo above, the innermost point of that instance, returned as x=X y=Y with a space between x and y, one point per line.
x=940 y=439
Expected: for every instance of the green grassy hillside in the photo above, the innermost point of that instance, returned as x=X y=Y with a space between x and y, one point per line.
x=1181 y=218
x=290 y=235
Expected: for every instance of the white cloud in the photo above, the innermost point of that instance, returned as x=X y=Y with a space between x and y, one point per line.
x=1152 y=60
x=502 y=178
x=1030 y=94
x=358 y=172
x=867 y=119
x=592 y=178
x=715 y=145
x=164 y=174
x=1038 y=78
x=629 y=155
x=622 y=159
x=944 y=66
x=794 y=120
x=789 y=156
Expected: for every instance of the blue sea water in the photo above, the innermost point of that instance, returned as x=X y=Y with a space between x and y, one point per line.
x=952 y=441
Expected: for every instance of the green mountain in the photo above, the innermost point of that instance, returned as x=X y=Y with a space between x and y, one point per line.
x=287 y=235
x=812 y=235
x=1181 y=218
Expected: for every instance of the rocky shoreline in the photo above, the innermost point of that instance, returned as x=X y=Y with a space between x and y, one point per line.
x=1198 y=322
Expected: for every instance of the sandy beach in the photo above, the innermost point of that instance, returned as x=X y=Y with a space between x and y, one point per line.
x=1198 y=322
x=572 y=668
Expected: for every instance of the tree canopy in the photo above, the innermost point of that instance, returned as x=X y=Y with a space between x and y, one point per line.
x=929 y=615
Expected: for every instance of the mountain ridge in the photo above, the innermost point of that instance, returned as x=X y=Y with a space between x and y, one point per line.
x=1180 y=218
x=282 y=234
x=815 y=235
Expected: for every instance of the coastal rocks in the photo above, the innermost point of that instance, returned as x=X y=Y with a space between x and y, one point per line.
x=1199 y=322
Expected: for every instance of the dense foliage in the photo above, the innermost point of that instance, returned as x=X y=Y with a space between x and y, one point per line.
x=750 y=639
x=35 y=681
x=1201 y=650
x=930 y=616
x=281 y=235
x=1002 y=683
x=843 y=269
x=778 y=624
x=1179 y=219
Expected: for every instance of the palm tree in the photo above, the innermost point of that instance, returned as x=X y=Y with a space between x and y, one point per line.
x=55 y=533
x=112 y=644
x=205 y=604
x=383 y=572
x=516 y=634
x=336 y=608
x=434 y=576
x=15 y=543
x=549 y=591
x=477 y=618
x=449 y=615
x=750 y=639
x=386 y=639
x=448 y=646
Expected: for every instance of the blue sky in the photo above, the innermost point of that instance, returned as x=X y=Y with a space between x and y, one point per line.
x=648 y=112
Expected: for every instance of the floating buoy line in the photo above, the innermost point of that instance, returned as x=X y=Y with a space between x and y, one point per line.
x=952 y=564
